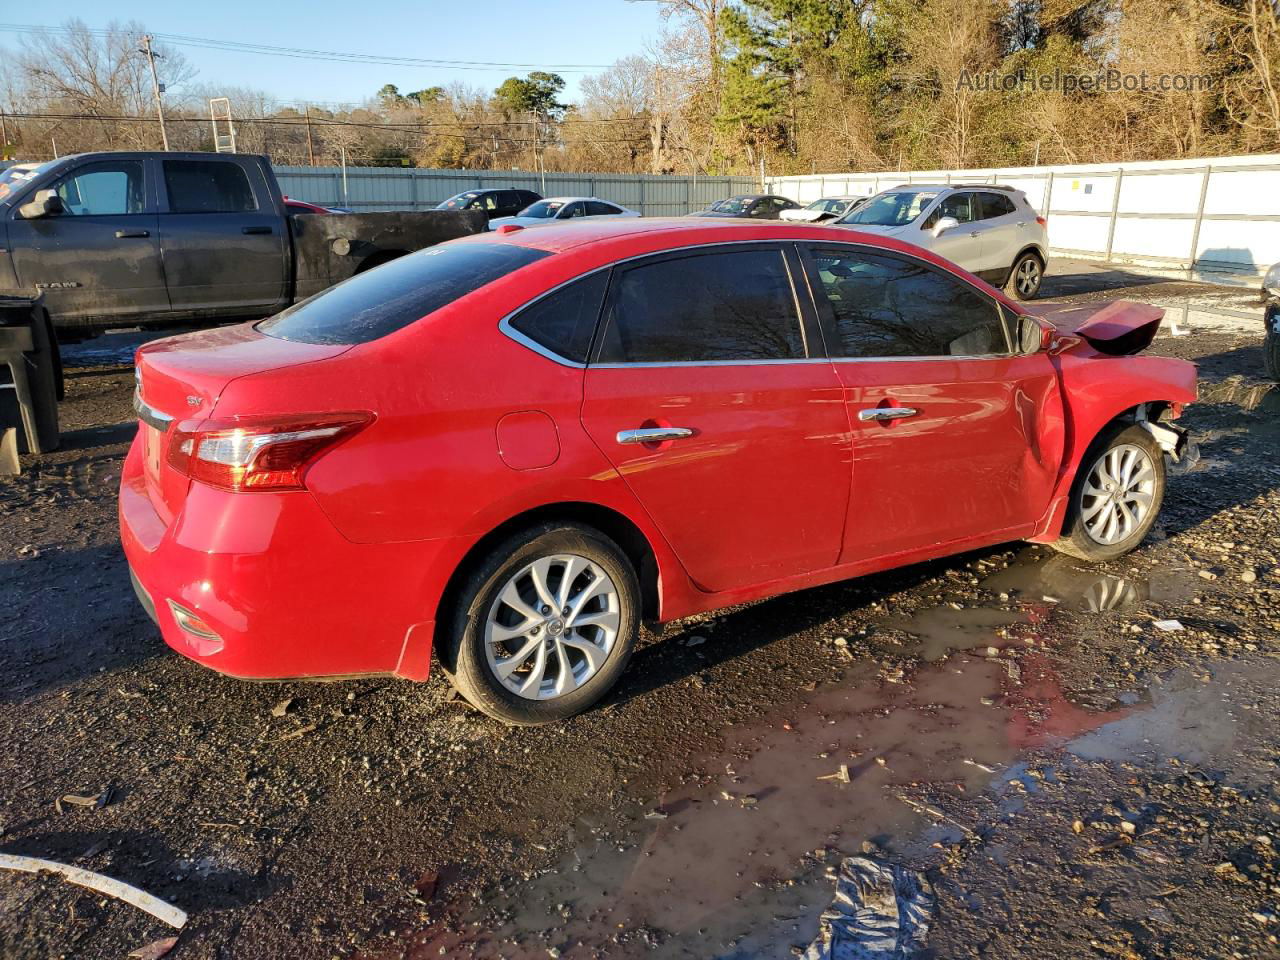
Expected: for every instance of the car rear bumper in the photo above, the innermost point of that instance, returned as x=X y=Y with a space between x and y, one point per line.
x=277 y=591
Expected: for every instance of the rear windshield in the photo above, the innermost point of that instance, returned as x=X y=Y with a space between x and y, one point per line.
x=380 y=301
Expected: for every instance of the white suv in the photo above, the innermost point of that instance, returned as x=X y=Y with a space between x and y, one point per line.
x=989 y=230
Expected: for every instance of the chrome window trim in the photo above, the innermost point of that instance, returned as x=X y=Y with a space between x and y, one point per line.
x=504 y=325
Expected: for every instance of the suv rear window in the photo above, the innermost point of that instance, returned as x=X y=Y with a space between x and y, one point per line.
x=380 y=301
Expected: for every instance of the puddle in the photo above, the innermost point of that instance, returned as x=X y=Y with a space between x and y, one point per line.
x=738 y=862
x=937 y=631
x=1198 y=718
x=1077 y=586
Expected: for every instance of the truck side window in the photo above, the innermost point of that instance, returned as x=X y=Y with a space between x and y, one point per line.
x=103 y=189
x=207 y=186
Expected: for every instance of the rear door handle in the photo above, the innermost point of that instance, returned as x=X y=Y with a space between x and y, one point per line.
x=974 y=234
x=653 y=434
x=125 y=234
x=255 y=229
x=886 y=413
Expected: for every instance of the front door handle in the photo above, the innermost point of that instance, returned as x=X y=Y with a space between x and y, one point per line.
x=255 y=229
x=124 y=234
x=974 y=234
x=653 y=434
x=886 y=413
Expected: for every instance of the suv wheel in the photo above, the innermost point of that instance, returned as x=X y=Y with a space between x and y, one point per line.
x=1116 y=495
x=546 y=626
x=1026 y=275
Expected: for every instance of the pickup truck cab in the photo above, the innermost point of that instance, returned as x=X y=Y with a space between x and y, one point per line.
x=154 y=238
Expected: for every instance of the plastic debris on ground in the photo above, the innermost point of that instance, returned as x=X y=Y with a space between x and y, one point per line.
x=880 y=912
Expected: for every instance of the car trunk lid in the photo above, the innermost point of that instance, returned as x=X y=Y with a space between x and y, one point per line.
x=1116 y=327
x=181 y=378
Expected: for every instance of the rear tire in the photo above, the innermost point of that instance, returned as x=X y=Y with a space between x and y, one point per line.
x=1116 y=495
x=1026 y=276
x=528 y=662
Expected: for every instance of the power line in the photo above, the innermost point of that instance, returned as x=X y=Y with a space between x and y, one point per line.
x=301 y=120
x=423 y=129
x=304 y=53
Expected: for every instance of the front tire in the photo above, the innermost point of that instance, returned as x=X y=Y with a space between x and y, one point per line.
x=1026 y=276
x=1116 y=495
x=545 y=626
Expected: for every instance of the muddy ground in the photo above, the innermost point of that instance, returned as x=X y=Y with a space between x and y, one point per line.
x=1072 y=779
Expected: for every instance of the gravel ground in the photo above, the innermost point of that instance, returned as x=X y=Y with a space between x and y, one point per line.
x=1073 y=780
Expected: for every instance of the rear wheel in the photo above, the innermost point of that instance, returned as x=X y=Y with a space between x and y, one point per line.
x=1116 y=495
x=546 y=625
x=1026 y=276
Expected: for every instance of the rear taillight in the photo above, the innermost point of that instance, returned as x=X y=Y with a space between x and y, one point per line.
x=259 y=453
x=1042 y=221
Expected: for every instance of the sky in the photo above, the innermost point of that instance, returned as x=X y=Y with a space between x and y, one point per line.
x=501 y=31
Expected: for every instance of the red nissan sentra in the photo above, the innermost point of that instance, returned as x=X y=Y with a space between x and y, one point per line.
x=504 y=452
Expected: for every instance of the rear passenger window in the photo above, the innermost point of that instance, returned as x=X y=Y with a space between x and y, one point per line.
x=564 y=321
x=598 y=208
x=887 y=307
x=996 y=205
x=735 y=305
x=207 y=186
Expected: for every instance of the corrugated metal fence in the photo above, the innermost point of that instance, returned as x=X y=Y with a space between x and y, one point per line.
x=393 y=188
x=1210 y=218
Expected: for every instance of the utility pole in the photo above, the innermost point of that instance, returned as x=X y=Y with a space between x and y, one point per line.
x=4 y=137
x=311 y=152
x=155 y=87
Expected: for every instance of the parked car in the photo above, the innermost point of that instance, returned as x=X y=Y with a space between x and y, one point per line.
x=828 y=208
x=1271 y=321
x=492 y=203
x=156 y=238
x=564 y=208
x=500 y=454
x=990 y=230
x=757 y=206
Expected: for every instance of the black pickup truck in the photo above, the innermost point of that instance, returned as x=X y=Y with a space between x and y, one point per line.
x=115 y=239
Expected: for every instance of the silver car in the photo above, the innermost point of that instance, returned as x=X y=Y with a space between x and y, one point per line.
x=989 y=230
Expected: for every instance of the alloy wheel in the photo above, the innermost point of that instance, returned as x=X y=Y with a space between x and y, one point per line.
x=1118 y=494
x=1028 y=276
x=552 y=626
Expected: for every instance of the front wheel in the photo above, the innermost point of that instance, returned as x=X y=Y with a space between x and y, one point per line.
x=545 y=626
x=1026 y=276
x=1116 y=495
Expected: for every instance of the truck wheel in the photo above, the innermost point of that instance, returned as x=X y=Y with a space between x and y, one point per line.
x=546 y=625
x=1026 y=276
x=1271 y=348
x=1116 y=496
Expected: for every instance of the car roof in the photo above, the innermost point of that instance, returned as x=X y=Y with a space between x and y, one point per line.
x=572 y=199
x=999 y=187
x=639 y=236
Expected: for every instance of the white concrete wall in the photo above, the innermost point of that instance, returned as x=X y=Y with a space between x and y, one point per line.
x=1215 y=218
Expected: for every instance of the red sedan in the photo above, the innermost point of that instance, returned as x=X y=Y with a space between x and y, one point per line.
x=504 y=452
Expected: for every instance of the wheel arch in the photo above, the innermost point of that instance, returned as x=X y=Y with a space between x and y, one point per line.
x=1050 y=527
x=612 y=523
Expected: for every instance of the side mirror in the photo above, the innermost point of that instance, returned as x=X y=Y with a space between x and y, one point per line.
x=1033 y=336
x=945 y=224
x=46 y=203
